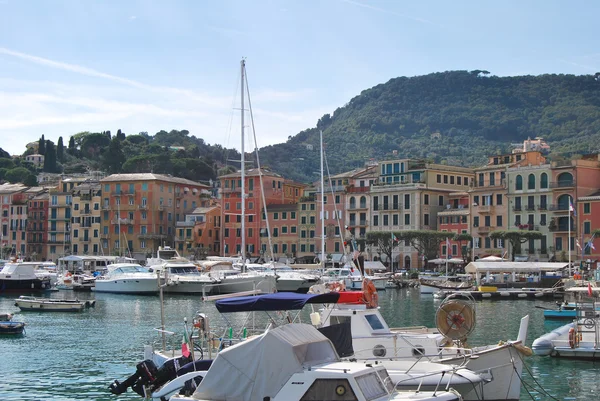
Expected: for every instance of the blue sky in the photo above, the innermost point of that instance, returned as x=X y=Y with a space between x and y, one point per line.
x=68 y=65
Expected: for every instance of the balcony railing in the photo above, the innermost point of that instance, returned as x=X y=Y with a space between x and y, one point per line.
x=143 y=207
x=543 y=207
x=122 y=221
x=516 y=208
x=105 y=207
x=387 y=206
x=355 y=206
x=563 y=184
x=353 y=189
x=484 y=229
x=562 y=228
x=530 y=208
x=484 y=209
x=123 y=193
x=558 y=208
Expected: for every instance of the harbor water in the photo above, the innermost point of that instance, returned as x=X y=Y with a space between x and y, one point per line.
x=75 y=356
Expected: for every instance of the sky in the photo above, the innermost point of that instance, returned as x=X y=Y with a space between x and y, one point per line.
x=68 y=66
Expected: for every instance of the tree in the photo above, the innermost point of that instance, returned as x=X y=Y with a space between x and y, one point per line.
x=120 y=136
x=72 y=147
x=17 y=175
x=50 y=158
x=114 y=157
x=464 y=249
x=60 y=152
x=516 y=238
x=4 y=154
x=7 y=163
x=42 y=146
x=425 y=242
x=382 y=241
x=30 y=180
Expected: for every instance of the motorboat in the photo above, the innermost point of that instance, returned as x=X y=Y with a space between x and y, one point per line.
x=163 y=254
x=128 y=278
x=578 y=339
x=21 y=277
x=499 y=365
x=47 y=270
x=297 y=362
x=183 y=277
x=235 y=281
x=287 y=279
x=351 y=278
x=28 y=303
x=9 y=326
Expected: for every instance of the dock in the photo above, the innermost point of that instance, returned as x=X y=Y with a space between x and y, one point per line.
x=507 y=294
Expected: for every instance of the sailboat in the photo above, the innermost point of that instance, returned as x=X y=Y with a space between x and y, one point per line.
x=234 y=281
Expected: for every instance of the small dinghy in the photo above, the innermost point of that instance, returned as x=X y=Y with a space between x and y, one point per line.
x=9 y=327
x=28 y=303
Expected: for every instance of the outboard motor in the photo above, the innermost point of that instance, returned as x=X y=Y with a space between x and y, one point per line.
x=148 y=376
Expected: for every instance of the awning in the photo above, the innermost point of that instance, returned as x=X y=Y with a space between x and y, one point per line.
x=516 y=267
x=285 y=301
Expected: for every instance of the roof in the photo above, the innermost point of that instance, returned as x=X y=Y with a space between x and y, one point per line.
x=262 y=365
x=517 y=267
x=252 y=172
x=150 y=177
x=11 y=188
x=280 y=301
x=203 y=210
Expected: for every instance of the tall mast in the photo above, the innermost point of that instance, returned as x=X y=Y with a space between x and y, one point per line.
x=322 y=207
x=243 y=168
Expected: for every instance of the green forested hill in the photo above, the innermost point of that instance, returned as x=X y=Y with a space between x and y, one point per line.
x=456 y=117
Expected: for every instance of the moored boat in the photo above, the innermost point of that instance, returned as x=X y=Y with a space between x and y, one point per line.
x=21 y=277
x=10 y=327
x=128 y=278
x=28 y=303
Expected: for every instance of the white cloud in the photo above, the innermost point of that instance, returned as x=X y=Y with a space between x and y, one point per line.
x=133 y=17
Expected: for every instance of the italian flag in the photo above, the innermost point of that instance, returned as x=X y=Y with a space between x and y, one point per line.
x=185 y=345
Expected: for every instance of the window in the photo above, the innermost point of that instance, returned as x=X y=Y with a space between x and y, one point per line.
x=487 y=221
x=586 y=208
x=376 y=220
x=499 y=221
x=374 y=322
x=426 y=199
x=544 y=181
x=519 y=183
x=439 y=178
x=531 y=181
x=407 y=201
x=406 y=219
x=587 y=227
x=498 y=199
x=426 y=219
x=441 y=200
x=476 y=221
x=385 y=220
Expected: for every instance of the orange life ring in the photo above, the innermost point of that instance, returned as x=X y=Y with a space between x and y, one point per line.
x=370 y=296
x=573 y=338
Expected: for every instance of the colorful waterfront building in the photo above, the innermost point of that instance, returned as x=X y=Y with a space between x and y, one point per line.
x=587 y=245
x=140 y=211
x=85 y=227
x=307 y=226
x=200 y=233
x=455 y=220
x=275 y=192
x=37 y=226
x=408 y=195
x=283 y=223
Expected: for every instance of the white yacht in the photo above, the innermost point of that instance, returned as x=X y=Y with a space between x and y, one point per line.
x=231 y=280
x=296 y=362
x=182 y=276
x=128 y=278
x=18 y=276
x=163 y=254
x=287 y=279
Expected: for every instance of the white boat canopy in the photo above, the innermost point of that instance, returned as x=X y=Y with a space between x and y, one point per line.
x=517 y=267
x=262 y=365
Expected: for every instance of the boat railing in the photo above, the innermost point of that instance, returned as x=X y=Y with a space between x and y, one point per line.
x=417 y=353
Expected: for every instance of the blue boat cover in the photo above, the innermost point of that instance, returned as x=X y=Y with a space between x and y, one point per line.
x=275 y=302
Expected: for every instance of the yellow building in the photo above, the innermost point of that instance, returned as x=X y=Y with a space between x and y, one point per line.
x=85 y=227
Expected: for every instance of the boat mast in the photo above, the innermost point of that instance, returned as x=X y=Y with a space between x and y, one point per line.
x=243 y=168
x=322 y=207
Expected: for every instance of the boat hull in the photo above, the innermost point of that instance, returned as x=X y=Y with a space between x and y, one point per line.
x=230 y=285
x=502 y=365
x=25 y=285
x=295 y=285
x=128 y=286
x=188 y=287
x=12 y=328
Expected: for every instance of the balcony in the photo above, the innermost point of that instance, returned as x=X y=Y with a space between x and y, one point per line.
x=122 y=221
x=85 y=211
x=559 y=208
x=563 y=184
x=484 y=229
x=185 y=224
x=105 y=207
x=528 y=226
x=562 y=228
x=57 y=242
x=123 y=193
x=387 y=206
x=516 y=208
x=352 y=189
x=143 y=207
x=152 y=236
x=543 y=207
x=485 y=209
x=486 y=184
x=104 y=236
x=355 y=207
x=530 y=208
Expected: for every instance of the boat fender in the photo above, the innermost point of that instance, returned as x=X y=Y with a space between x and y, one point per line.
x=523 y=349
x=573 y=338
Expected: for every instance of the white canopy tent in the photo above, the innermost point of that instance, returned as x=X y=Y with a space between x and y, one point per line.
x=488 y=268
x=492 y=258
x=261 y=366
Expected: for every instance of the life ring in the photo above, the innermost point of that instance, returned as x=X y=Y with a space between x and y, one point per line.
x=573 y=338
x=455 y=319
x=370 y=296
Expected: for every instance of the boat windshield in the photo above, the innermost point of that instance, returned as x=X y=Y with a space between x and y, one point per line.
x=131 y=269
x=187 y=270
x=375 y=384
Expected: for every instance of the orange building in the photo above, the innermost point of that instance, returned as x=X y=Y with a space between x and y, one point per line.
x=455 y=219
x=140 y=211
x=276 y=191
x=283 y=222
x=200 y=233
